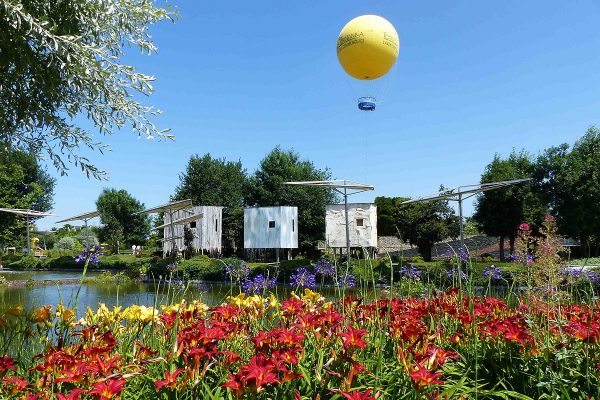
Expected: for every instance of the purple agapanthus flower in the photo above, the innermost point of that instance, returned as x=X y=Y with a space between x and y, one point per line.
x=456 y=272
x=513 y=257
x=237 y=271
x=492 y=272
x=463 y=254
x=259 y=284
x=303 y=278
x=324 y=268
x=89 y=254
x=347 y=280
x=410 y=271
x=581 y=273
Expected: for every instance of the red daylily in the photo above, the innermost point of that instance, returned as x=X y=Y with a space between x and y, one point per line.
x=104 y=367
x=6 y=364
x=292 y=306
x=259 y=370
x=356 y=394
x=424 y=377
x=170 y=380
x=107 y=390
x=76 y=375
x=353 y=338
x=18 y=384
x=143 y=352
x=234 y=383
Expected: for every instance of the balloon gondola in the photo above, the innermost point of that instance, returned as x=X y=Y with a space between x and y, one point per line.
x=367 y=48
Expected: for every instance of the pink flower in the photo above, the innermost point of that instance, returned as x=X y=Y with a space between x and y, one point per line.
x=524 y=227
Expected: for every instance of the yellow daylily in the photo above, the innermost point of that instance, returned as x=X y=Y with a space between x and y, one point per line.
x=41 y=314
x=67 y=315
x=141 y=313
x=15 y=310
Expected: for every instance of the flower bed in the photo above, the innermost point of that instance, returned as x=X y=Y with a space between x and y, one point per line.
x=304 y=347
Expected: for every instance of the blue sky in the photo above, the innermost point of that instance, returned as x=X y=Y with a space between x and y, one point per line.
x=472 y=79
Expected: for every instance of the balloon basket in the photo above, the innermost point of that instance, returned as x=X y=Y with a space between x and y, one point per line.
x=367 y=103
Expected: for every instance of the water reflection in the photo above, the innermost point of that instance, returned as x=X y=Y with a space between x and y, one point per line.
x=126 y=294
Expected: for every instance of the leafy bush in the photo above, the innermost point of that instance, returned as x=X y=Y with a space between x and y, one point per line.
x=66 y=243
x=201 y=267
x=3 y=281
x=136 y=271
x=123 y=262
x=27 y=262
x=108 y=278
x=64 y=262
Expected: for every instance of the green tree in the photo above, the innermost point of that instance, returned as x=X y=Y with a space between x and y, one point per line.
x=570 y=181
x=120 y=223
x=23 y=184
x=387 y=215
x=61 y=64
x=499 y=212
x=267 y=189
x=423 y=224
x=212 y=181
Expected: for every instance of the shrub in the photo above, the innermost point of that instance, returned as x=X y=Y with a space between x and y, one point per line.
x=27 y=262
x=201 y=267
x=66 y=243
x=63 y=262
x=135 y=270
x=3 y=281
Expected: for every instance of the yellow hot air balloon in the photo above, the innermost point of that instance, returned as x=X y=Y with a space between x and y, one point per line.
x=367 y=47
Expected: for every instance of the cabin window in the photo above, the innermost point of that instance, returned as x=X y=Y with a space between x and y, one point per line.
x=360 y=222
x=271 y=224
x=193 y=224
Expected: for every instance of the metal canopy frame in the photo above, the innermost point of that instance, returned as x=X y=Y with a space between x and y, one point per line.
x=463 y=192
x=182 y=221
x=345 y=188
x=29 y=215
x=85 y=217
x=170 y=209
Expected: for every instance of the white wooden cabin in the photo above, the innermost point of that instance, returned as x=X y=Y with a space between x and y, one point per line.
x=207 y=229
x=362 y=219
x=271 y=227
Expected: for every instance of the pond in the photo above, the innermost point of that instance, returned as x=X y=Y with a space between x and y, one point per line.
x=91 y=294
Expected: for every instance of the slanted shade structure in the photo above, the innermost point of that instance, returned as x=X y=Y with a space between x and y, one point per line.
x=463 y=192
x=85 y=217
x=169 y=209
x=206 y=224
x=29 y=215
x=345 y=188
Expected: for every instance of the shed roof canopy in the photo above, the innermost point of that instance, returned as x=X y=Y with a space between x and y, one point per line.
x=169 y=207
x=181 y=221
x=81 y=217
x=469 y=190
x=334 y=184
x=27 y=213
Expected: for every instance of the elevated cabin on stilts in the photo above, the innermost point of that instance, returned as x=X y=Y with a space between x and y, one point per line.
x=270 y=229
x=205 y=223
x=362 y=223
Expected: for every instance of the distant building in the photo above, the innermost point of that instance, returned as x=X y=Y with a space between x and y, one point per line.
x=207 y=229
x=362 y=220
x=271 y=228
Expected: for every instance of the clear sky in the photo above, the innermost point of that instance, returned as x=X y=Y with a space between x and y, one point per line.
x=472 y=79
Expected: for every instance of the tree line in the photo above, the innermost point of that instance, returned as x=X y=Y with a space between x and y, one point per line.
x=565 y=182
